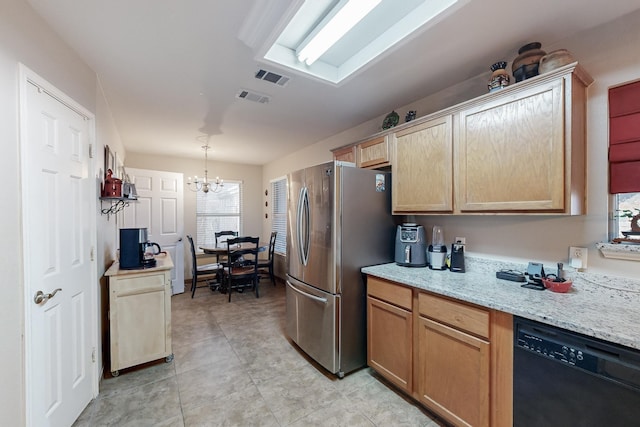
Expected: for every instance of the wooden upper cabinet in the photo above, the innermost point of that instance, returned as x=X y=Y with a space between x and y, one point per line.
x=511 y=153
x=422 y=167
x=524 y=151
x=373 y=153
x=346 y=154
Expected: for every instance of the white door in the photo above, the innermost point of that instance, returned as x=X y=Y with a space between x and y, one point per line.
x=59 y=207
x=159 y=209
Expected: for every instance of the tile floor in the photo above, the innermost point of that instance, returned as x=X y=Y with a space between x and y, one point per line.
x=234 y=366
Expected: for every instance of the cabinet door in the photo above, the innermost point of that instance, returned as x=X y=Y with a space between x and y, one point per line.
x=347 y=154
x=510 y=153
x=374 y=153
x=140 y=319
x=422 y=166
x=453 y=373
x=389 y=338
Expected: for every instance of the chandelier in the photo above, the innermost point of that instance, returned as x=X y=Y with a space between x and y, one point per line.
x=204 y=184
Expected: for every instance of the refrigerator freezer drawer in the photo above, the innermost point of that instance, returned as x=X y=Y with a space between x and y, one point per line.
x=311 y=323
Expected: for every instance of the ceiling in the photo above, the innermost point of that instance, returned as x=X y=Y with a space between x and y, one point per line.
x=171 y=70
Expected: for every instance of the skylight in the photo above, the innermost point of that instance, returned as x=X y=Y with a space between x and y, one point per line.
x=381 y=28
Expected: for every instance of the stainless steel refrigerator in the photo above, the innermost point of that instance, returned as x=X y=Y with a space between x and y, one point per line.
x=339 y=220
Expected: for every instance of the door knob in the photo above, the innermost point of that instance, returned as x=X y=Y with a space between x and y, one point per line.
x=41 y=297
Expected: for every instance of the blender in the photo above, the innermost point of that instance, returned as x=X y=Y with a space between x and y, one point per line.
x=437 y=250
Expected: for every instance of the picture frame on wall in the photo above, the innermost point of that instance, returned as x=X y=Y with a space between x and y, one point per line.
x=118 y=172
x=109 y=160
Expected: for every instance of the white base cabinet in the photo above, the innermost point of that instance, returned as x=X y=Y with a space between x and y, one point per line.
x=139 y=314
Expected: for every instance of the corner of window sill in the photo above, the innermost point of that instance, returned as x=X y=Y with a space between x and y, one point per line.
x=624 y=251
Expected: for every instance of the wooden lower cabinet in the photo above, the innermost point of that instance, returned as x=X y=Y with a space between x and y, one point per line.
x=389 y=343
x=455 y=358
x=453 y=373
x=390 y=331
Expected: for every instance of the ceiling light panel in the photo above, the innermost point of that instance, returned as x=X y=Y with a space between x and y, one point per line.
x=384 y=27
x=342 y=18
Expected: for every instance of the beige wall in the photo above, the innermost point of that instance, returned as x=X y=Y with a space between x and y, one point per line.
x=610 y=54
x=253 y=193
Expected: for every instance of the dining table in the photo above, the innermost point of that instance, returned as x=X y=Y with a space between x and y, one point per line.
x=221 y=250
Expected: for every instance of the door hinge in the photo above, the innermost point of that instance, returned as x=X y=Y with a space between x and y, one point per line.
x=91 y=151
x=91 y=253
x=93 y=355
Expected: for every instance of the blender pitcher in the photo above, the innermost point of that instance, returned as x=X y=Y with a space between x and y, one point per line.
x=437 y=250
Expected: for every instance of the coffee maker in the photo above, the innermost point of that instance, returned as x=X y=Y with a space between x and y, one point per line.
x=411 y=245
x=437 y=250
x=135 y=249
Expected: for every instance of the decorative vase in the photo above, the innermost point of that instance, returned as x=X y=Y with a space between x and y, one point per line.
x=499 y=78
x=411 y=114
x=526 y=63
x=555 y=59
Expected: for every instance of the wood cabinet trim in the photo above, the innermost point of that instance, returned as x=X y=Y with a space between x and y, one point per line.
x=501 y=369
x=459 y=315
x=395 y=294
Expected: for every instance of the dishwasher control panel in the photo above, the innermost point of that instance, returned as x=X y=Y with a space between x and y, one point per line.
x=562 y=352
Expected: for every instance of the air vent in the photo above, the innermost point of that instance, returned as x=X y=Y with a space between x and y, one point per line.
x=270 y=76
x=253 y=96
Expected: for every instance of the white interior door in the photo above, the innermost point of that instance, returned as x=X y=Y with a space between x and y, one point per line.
x=59 y=205
x=159 y=209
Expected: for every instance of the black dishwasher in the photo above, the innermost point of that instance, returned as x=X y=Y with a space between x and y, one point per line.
x=563 y=378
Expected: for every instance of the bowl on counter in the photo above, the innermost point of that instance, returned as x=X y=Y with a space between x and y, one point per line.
x=554 y=286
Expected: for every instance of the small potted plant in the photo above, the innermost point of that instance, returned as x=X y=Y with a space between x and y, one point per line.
x=633 y=217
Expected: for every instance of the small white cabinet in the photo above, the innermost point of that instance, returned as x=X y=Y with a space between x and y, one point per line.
x=139 y=314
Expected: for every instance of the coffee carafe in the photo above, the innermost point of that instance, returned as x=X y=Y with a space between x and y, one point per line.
x=437 y=250
x=151 y=249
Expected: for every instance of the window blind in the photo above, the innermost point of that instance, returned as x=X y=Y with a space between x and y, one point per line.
x=279 y=213
x=624 y=138
x=218 y=211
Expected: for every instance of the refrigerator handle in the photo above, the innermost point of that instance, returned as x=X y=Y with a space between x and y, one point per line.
x=313 y=297
x=303 y=226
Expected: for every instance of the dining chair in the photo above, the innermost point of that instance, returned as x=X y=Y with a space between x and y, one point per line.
x=242 y=269
x=265 y=265
x=221 y=237
x=202 y=273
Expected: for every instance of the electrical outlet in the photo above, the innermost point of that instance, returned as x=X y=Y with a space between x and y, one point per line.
x=578 y=257
x=462 y=240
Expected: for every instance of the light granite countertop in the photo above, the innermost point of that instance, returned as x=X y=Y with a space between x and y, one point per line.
x=600 y=306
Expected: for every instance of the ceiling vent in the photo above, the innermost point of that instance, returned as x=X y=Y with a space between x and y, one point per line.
x=270 y=76
x=253 y=96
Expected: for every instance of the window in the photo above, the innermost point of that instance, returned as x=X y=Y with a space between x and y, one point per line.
x=625 y=201
x=279 y=213
x=218 y=211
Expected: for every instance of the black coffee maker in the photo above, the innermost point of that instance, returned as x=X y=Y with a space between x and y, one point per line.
x=135 y=249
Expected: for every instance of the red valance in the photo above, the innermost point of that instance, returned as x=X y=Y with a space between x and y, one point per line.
x=624 y=138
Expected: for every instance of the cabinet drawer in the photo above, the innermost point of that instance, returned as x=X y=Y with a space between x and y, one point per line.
x=138 y=284
x=373 y=153
x=389 y=292
x=459 y=315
